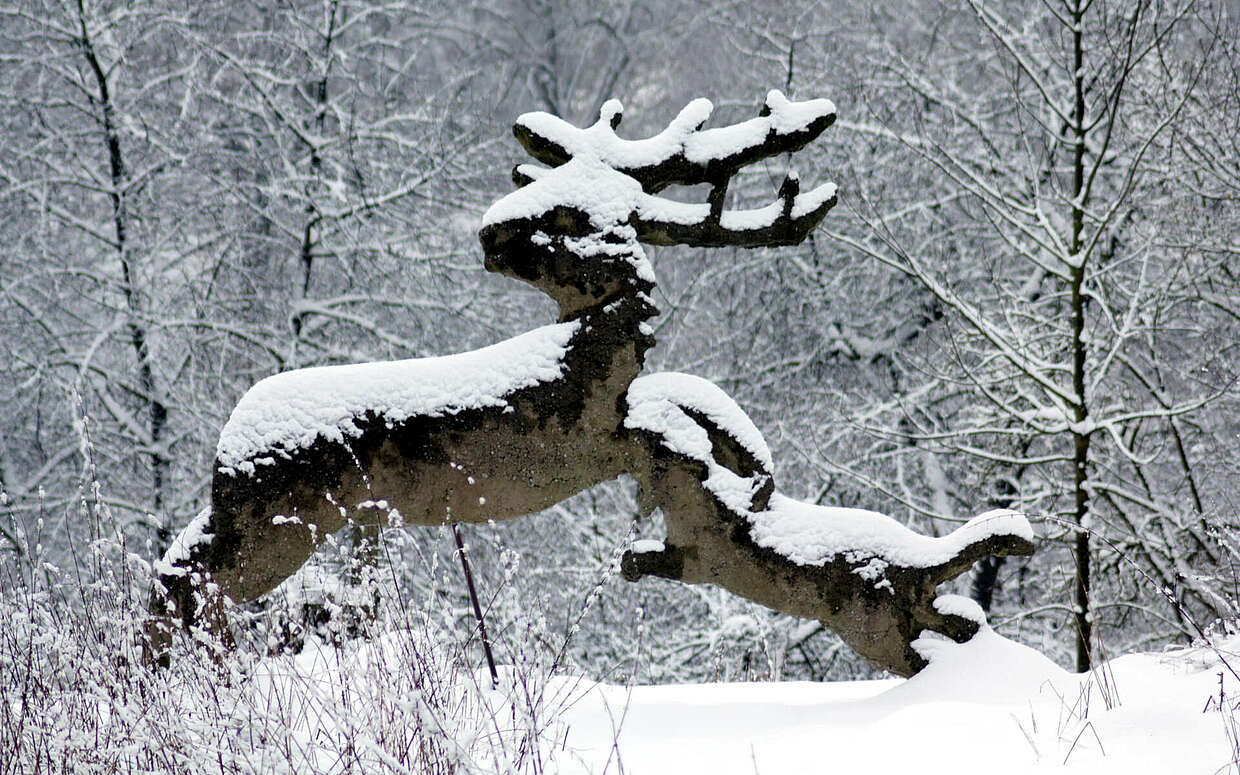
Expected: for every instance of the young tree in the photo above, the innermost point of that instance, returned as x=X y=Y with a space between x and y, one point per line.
x=93 y=161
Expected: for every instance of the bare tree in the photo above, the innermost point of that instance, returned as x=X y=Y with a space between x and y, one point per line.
x=1071 y=363
x=91 y=171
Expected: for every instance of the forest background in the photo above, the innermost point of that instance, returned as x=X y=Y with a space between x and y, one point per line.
x=1028 y=298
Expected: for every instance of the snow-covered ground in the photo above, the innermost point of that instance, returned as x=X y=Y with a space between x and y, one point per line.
x=987 y=706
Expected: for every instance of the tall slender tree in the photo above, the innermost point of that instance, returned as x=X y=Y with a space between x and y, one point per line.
x=1072 y=358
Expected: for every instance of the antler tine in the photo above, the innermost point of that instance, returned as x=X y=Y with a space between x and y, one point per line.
x=683 y=153
x=525 y=174
x=718 y=193
x=788 y=191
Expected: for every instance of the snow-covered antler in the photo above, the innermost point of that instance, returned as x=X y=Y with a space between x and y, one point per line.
x=686 y=154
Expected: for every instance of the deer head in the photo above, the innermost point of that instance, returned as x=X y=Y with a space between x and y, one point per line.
x=573 y=229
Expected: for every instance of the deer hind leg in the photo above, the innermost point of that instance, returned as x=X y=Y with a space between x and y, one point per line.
x=226 y=557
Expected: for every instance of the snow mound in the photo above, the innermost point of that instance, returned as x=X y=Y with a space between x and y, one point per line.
x=290 y=411
x=989 y=705
x=987 y=669
x=985 y=706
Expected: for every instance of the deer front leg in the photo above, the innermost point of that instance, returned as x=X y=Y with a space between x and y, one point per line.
x=656 y=559
x=863 y=575
x=876 y=597
x=222 y=557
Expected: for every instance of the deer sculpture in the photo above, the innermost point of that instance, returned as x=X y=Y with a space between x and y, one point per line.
x=517 y=427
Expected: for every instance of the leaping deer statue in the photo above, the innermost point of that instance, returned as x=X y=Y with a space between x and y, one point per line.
x=519 y=426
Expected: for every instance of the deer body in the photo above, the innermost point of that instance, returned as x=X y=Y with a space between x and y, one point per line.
x=518 y=427
x=549 y=435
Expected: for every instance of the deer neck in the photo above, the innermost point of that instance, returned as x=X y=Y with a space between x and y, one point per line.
x=597 y=274
x=608 y=350
x=623 y=299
